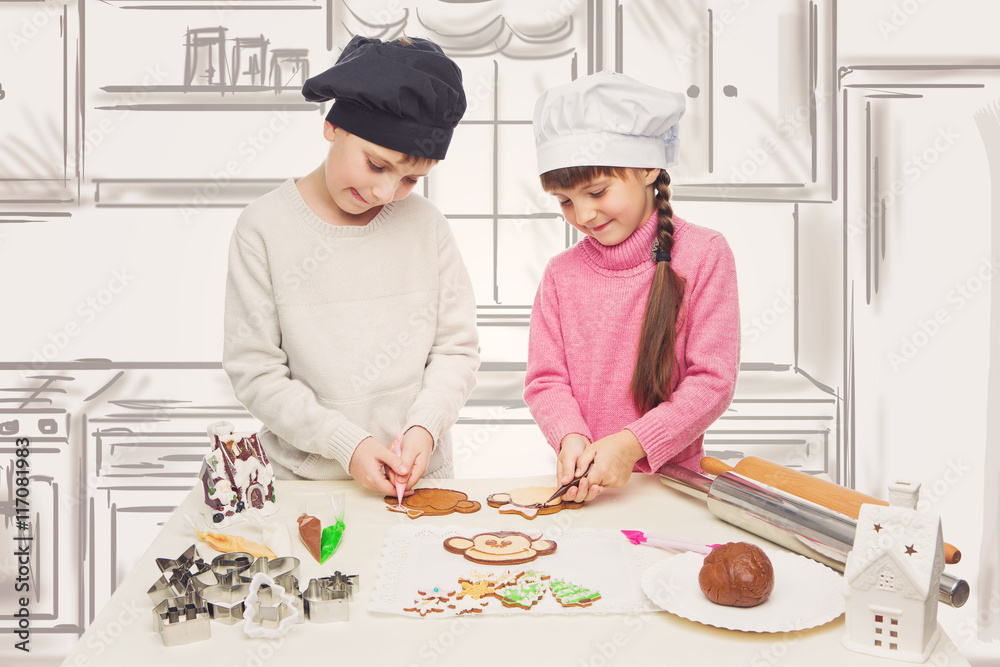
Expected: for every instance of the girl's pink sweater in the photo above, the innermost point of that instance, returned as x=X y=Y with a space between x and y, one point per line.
x=585 y=326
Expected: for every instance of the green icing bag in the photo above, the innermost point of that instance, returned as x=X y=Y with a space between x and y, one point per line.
x=330 y=540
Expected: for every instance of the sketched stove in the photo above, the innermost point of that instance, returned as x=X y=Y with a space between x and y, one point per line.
x=113 y=453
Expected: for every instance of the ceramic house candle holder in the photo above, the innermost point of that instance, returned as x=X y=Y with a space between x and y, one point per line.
x=237 y=477
x=891 y=579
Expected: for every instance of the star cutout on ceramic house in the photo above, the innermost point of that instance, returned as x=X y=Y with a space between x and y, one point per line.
x=878 y=527
x=910 y=550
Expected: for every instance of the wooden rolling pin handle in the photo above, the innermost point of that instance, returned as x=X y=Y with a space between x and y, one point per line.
x=827 y=494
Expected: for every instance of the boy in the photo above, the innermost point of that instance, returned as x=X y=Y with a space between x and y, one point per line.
x=350 y=317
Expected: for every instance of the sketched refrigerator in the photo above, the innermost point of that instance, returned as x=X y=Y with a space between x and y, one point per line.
x=917 y=282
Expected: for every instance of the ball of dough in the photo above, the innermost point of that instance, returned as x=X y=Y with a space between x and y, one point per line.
x=737 y=574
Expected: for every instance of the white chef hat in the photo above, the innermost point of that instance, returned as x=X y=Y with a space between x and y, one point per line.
x=607 y=119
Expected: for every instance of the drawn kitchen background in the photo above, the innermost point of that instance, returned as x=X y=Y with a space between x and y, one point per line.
x=844 y=148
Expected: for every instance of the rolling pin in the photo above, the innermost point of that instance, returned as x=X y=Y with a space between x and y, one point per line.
x=827 y=494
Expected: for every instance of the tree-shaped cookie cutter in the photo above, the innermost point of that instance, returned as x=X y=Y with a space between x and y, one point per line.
x=325 y=599
x=255 y=613
x=182 y=620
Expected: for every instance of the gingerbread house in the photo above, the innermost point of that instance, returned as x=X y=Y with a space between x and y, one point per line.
x=891 y=579
x=236 y=476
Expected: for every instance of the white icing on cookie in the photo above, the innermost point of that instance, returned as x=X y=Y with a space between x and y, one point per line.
x=529 y=512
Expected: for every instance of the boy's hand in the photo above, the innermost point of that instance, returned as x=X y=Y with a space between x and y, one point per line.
x=568 y=464
x=613 y=457
x=417 y=445
x=366 y=466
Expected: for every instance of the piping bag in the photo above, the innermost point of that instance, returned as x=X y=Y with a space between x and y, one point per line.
x=397 y=449
x=322 y=541
x=804 y=527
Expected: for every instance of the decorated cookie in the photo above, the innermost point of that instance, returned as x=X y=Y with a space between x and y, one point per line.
x=433 y=502
x=468 y=605
x=477 y=590
x=498 y=579
x=442 y=593
x=526 y=593
x=500 y=548
x=529 y=501
x=427 y=605
x=571 y=595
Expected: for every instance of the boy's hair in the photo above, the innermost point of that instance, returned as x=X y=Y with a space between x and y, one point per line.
x=656 y=361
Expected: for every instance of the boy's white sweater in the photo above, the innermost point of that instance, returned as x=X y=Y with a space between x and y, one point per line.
x=334 y=334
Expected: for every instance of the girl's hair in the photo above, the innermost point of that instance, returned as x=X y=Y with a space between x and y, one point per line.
x=656 y=360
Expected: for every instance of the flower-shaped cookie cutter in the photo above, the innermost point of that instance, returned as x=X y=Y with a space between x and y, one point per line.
x=282 y=570
x=182 y=620
x=180 y=576
x=268 y=612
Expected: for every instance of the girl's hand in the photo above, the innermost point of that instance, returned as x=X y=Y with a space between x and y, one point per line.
x=568 y=465
x=366 y=466
x=417 y=445
x=613 y=457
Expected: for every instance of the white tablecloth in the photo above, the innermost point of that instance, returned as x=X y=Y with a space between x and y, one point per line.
x=123 y=632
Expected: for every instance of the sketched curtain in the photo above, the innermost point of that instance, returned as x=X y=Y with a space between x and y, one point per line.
x=988 y=590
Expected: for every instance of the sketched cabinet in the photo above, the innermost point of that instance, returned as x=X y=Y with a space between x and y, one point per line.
x=37 y=163
x=918 y=276
x=758 y=79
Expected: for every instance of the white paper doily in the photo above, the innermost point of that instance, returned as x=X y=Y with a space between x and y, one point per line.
x=414 y=557
x=806 y=594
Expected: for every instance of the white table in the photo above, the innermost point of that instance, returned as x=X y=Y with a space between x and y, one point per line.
x=123 y=633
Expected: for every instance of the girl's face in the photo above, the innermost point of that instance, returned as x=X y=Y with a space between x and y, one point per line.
x=361 y=176
x=610 y=208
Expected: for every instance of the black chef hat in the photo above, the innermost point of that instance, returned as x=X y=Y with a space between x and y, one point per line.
x=406 y=98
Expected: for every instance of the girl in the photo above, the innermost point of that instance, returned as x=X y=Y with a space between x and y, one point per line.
x=635 y=335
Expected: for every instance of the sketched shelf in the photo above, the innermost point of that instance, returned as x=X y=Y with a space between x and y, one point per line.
x=228 y=98
x=189 y=5
x=197 y=193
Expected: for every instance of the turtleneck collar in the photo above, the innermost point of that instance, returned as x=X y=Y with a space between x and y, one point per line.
x=633 y=252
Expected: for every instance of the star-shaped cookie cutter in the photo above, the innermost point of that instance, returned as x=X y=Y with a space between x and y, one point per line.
x=179 y=576
x=182 y=620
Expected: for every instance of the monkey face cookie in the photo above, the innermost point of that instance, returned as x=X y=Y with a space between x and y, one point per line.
x=529 y=501
x=433 y=502
x=500 y=548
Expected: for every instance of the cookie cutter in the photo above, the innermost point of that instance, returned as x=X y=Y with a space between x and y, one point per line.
x=282 y=570
x=225 y=599
x=323 y=604
x=259 y=612
x=182 y=620
x=180 y=576
x=229 y=567
x=342 y=582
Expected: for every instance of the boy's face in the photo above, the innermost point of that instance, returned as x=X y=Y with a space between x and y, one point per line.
x=609 y=208
x=361 y=175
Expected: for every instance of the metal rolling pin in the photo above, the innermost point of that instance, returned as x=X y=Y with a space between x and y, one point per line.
x=804 y=527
